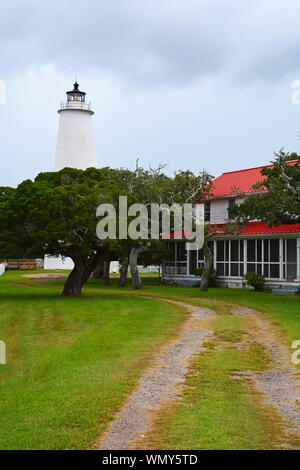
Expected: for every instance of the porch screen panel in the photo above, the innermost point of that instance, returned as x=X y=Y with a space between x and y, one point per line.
x=274 y=259
x=230 y=256
x=271 y=259
x=220 y=257
x=234 y=258
x=193 y=261
x=259 y=266
x=181 y=261
x=291 y=258
x=170 y=262
x=251 y=256
x=200 y=259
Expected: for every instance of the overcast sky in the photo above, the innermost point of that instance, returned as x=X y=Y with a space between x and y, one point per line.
x=192 y=83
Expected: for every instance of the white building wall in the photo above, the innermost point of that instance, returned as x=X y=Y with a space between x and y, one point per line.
x=218 y=211
x=57 y=262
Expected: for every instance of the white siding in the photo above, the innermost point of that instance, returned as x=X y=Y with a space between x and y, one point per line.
x=218 y=211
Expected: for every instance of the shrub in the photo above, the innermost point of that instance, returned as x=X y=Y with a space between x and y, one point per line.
x=255 y=280
x=213 y=275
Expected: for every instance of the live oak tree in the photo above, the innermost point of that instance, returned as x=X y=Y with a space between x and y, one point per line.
x=155 y=187
x=148 y=187
x=56 y=214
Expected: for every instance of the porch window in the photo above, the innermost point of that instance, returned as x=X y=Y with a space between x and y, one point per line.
x=207 y=212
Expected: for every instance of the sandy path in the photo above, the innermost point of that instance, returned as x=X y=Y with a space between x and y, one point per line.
x=161 y=383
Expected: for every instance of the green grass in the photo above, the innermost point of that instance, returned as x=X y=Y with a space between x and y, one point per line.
x=71 y=362
x=284 y=310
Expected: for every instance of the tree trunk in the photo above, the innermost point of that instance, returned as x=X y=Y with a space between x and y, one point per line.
x=124 y=271
x=98 y=271
x=133 y=260
x=105 y=276
x=92 y=262
x=75 y=280
x=83 y=267
x=207 y=268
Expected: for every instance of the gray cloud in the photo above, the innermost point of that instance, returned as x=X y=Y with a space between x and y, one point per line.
x=153 y=43
x=196 y=83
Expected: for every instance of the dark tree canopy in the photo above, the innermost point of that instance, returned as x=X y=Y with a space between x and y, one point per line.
x=56 y=215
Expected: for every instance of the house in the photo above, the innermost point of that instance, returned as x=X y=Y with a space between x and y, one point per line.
x=273 y=252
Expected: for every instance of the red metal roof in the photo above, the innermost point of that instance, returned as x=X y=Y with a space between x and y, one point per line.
x=261 y=228
x=252 y=228
x=239 y=181
x=179 y=235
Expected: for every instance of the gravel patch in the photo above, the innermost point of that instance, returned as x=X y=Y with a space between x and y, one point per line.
x=243 y=311
x=281 y=384
x=46 y=276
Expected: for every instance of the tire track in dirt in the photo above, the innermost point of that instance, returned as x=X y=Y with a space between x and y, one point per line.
x=161 y=384
x=280 y=384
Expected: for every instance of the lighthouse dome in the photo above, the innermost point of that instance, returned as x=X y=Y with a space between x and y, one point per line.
x=76 y=94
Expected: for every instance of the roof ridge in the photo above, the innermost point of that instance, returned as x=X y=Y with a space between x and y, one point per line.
x=252 y=168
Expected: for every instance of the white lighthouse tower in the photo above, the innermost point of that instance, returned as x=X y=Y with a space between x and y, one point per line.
x=75 y=142
x=75 y=148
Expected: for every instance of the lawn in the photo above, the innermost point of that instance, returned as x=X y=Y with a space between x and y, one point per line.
x=284 y=310
x=71 y=363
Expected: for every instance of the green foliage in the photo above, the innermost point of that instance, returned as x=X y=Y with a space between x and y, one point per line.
x=257 y=281
x=213 y=275
x=280 y=204
x=55 y=213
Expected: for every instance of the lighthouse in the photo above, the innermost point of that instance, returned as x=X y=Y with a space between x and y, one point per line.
x=75 y=142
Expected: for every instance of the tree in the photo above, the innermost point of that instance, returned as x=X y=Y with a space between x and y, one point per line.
x=148 y=187
x=56 y=215
x=279 y=199
x=211 y=231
